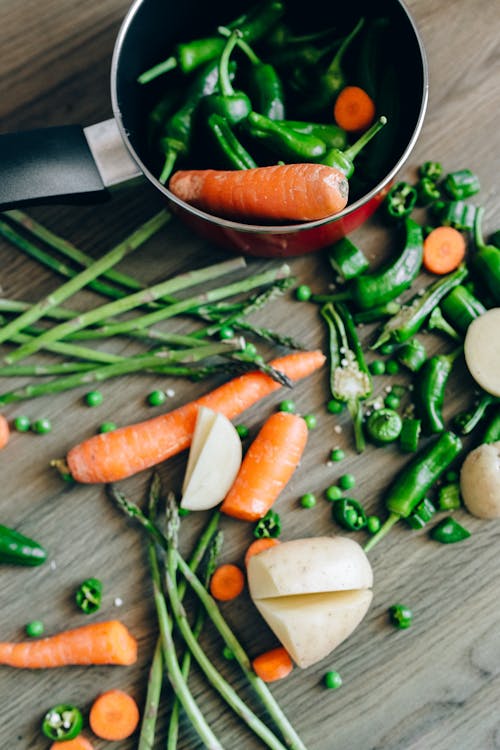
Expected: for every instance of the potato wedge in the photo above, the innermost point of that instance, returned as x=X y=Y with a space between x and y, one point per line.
x=482 y=350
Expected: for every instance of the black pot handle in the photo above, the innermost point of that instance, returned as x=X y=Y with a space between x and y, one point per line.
x=67 y=164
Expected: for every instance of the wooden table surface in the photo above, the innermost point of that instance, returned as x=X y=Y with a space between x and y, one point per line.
x=435 y=686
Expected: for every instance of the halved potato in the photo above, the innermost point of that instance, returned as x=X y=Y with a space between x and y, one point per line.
x=480 y=481
x=482 y=350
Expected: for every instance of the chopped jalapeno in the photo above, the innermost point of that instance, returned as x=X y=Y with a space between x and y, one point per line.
x=449 y=531
x=88 y=595
x=349 y=513
x=63 y=722
x=268 y=526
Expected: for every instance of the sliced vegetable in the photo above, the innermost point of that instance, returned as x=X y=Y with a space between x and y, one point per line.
x=63 y=722
x=273 y=665
x=354 y=109
x=227 y=582
x=4 y=431
x=78 y=743
x=114 y=715
x=481 y=357
x=269 y=526
x=449 y=531
x=88 y=595
x=444 y=250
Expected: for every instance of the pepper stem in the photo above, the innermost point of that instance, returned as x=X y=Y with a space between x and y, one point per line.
x=392 y=519
x=244 y=47
x=334 y=67
x=351 y=152
x=225 y=84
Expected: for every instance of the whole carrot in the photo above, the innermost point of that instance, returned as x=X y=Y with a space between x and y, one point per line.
x=267 y=467
x=106 y=642
x=111 y=456
x=280 y=192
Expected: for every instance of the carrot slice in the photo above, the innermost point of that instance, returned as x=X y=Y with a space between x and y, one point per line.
x=4 y=431
x=259 y=545
x=267 y=467
x=227 y=582
x=114 y=715
x=273 y=665
x=354 y=109
x=77 y=743
x=444 y=250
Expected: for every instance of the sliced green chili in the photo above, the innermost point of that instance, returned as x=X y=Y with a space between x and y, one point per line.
x=63 y=722
x=449 y=496
x=268 y=526
x=422 y=514
x=449 y=531
x=349 y=513
x=461 y=184
x=347 y=259
x=88 y=595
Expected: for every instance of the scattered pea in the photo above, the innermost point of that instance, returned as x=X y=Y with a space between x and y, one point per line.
x=377 y=367
x=242 y=430
x=333 y=493
x=308 y=500
x=226 y=332
x=42 y=426
x=287 y=405
x=156 y=398
x=93 y=398
x=34 y=628
x=347 y=481
x=311 y=421
x=183 y=512
x=373 y=524
x=303 y=293
x=392 y=401
x=250 y=350
x=337 y=454
x=227 y=653
x=451 y=476
x=401 y=616
x=107 y=427
x=334 y=406
x=387 y=349
x=332 y=680
x=22 y=423
x=392 y=367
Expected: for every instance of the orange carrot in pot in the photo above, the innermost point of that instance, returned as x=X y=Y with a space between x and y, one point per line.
x=4 y=431
x=281 y=192
x=267 y=467
x=98 y=643
x=354 y=109
x=111 y=456
x=114 y=715
x=444 y=250
x=227 y=582
x=78 y=743
x=259 y=545
x=273 y=665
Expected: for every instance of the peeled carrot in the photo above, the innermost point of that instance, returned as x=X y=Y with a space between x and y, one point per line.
x=97 y=643
x=267 y=467
x=259 y=545
x=444 y=250
x=273 y=665
x=227 y=582
x=111 y=456
x=78 y=743
x=4 y=431
x=354 y=109
x=281 y=192
x=114 y=715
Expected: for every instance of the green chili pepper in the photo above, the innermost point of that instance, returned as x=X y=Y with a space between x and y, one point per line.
x=492 y=432
x=376 y=313
x=231 y=104
x=410 y=434
x=422 y=514
x=412 y=355
x=88 y=595
x=416 y=479
x=370 y=61
x=449 y=496
x=427 y=191
x=384 y=426
x=282 y=140
x=461 y=307
x=495 y=238
x=346 y=259
x=268 y=526
x=449 y=531
x=344 y=160
x=406 y=324
x=63 y=722
x=429 y=390
x=350 y=379
x=457 y=214
x=371 y=290
x=17 y=549
x=486 y=260
x=233 y=152
x=466 y=421
x=400 y=200
x=349 y=513
x=461 y=184
x=332 y=135
x=437 y=322
x=431 y=170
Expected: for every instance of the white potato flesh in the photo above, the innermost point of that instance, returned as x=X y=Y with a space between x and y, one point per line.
x=480 y=481
x=310 y=626
x=482 y=350
x=216 y=462
x=204 y=421
x=309 y=566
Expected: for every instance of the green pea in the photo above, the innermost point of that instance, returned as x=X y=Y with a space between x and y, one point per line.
x=392 y=367
x=308 y=500
x=107 y=427
x=226 y=332
x=287 y=405
x=227 y=653
x=401 y=616
x=333 y=493
x=377 y=367
x=156 y=398
x=451 y=476
x=337 y=454
x=334 y=406
x=22 y=423
x=303 y=293
x=250 y=350
x=34 y=628
x=392 y=401
x=347 y=481
x=387 y=349
x=242 y=430
x=373 y=524
x=310 y=420
x=42 y=426
x=93 y=398
x=183 y=512
x=332 y=680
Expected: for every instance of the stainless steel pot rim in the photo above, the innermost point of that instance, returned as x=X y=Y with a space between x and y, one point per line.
x=267 y=228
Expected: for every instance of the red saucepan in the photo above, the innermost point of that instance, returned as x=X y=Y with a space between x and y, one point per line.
x=75 y=164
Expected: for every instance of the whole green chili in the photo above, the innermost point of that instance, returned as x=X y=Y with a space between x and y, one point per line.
x=466 y=421
x=437 y=322
x=229 y=147
x=282 y=140
x=429 y=390
x=377 y=313
x=332 y=135
x=486 y=259
x=17 y=549
x=344 y=160
x=347 y=259
x=226 y=101
x=461 y=307
x=449 y=531
x=412 y=354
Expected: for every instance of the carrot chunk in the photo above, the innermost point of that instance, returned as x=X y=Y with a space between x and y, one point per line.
x=114 y=715
x=444 y=250
x=227 y=582
x=354 y=109
x=273 y=665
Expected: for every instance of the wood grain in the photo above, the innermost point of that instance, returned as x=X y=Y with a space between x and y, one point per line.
x=433 y=687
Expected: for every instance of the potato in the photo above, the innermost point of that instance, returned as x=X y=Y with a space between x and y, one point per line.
x=480 y=481
x=312 y=593
x=482 y=350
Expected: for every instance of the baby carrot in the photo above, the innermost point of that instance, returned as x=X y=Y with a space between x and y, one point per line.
x=280 y=192
x=78 y=743
x=354 y=109
x=111 y=456
x=98 y=643
x=273 y=665
x=444 y=250
x=267 y=466
x=114 y=715
x=227 y=582
x=259 y=545
x=4 y=431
